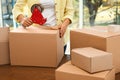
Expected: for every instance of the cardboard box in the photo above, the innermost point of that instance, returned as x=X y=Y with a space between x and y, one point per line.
x=113 y=28
x=35 y=46
x=100 y=38
x=91 y=59
x=4 y=53
x=70 y=72
x=4 y=46
x=4 y=34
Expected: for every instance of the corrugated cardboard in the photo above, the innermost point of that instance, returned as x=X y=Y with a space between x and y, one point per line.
x=100 y=38
x=4 y=46
x=91 y=59
x=4 y=53
x=113 y=28
x=35 y=46
x=4 y=34
x=70 y=72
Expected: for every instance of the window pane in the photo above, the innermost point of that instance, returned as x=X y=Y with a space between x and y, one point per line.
x=76 y=14
x=6 y=12
x=101 y=12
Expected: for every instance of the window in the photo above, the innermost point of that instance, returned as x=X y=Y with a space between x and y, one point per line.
x=101 y=12
x=6 y=17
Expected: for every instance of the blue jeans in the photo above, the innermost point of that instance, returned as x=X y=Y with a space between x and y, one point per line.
x=65 y=46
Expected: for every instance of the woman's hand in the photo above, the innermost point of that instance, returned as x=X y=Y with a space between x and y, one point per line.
x=63 y=27
x=26 y=22
x=62 y=30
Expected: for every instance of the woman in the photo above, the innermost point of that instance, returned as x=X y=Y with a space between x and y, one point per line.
x=59 y=13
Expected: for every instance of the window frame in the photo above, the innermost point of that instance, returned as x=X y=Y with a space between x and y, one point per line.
x=1 y=17
x=81 y=14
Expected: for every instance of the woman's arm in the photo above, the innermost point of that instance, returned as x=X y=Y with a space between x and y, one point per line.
x=69 y=11
x=68 y=17
x=18 y=8
x=18 y=13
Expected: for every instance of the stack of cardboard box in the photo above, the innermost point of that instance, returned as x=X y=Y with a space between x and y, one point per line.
x=70 y=72
x=88 y=60
x=87 y=64
x=35 y=46
x=4 y=46
x=98 y=37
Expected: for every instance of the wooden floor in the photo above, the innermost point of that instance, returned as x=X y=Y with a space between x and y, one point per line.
x=8 y=72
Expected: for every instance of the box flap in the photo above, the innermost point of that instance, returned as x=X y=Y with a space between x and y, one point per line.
x=98 y=31
x=33 y=29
